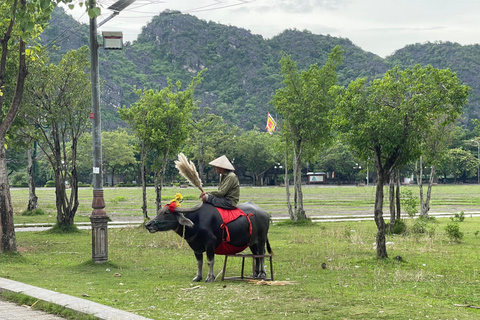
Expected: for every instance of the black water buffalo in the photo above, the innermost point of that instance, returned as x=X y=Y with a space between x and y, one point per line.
x=203 y=230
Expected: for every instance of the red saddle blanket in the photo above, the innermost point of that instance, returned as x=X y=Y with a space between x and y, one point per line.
x=228 y=216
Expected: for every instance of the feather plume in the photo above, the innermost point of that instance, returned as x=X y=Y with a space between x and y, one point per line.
x=188 y=170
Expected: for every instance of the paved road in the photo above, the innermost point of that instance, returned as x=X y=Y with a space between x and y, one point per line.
x=9 y=311
x=12 y=311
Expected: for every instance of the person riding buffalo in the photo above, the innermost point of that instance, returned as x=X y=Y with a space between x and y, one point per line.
x=228 y=192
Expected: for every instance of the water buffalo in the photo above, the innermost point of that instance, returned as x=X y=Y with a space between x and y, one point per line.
x=204 y=230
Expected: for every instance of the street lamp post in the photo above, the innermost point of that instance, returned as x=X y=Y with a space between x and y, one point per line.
x=478 y=160
x=99 y=217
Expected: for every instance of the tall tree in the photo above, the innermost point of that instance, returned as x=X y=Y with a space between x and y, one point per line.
x=460 y=163
x=57 y=103
x=305 y=104
x=435 y=145
x=207 y=132
x=21 y=21
x=390 y=118
x=255 y=152
x=160 y=120
x=118 y=152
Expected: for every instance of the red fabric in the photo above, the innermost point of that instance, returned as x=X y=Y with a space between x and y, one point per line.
x=225 y=248
x=228 y=216
x=172 y=206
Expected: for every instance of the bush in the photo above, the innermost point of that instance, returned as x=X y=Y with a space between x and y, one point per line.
x=399 y=227
x=50 y=183
x=409 y=202
x=118 y=199
x=34 y=212
x=82 y=184
x=459 y=217
x=419 y=226
x=19 y=178
x=453 y=232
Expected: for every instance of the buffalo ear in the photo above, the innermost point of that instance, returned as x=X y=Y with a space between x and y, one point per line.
x=185 y=221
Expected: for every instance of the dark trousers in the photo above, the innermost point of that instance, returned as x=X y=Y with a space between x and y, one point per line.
x=220 y=202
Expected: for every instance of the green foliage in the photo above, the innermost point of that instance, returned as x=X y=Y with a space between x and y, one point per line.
x=458 y=217
x=453 y=232
x=305 y=105
x=254 y=152
x=458 y=162
x=409 y=202
x=118 y=199
x=34 y=212
x=298 y=223
x=419 y=226
x=399 y=227
x=63 y=229
x=18 y=178
x=50 y=183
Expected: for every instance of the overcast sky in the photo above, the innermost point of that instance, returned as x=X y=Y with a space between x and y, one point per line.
x=378 y=26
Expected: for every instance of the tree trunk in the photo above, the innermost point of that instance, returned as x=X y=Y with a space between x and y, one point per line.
x=426 y=204
x=158 y=191
x=391 y=195
x=144 y=184
x=297 y=166
x=399 y=205
x=32 y=197
x=113 y=177
x=8 y=239
x=286 y=180
x=420 y=185
x=380 y=240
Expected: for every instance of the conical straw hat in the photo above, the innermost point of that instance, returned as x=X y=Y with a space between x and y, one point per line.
x=222 y=162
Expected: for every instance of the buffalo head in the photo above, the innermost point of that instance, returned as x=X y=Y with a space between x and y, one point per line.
x=167 y=220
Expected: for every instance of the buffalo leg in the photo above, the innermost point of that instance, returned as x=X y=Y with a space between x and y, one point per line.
x=199 y=257
x=210 y=263
x=259 y=262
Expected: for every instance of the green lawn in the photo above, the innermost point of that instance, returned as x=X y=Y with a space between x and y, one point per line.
x=435 y=279
x=125 y=203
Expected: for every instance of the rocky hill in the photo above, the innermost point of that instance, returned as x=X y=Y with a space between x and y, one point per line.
x=243 y=69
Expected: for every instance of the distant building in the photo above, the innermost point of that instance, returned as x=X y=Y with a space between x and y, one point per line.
x=316 y=177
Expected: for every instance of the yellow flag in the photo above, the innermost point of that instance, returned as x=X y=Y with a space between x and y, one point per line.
x=271 y=124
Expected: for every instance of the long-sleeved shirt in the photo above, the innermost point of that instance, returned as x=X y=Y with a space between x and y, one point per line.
x=229 y=188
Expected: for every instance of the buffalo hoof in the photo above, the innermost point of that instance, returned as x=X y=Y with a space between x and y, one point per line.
x=210 y=279
x=261 y=275
x=197 y=279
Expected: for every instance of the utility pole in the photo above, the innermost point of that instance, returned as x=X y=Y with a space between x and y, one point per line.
x=99 y=217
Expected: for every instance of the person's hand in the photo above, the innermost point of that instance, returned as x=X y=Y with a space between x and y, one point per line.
x=202 y=196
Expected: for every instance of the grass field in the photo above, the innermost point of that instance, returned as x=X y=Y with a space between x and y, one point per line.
x=125 y=203
x=436 y=278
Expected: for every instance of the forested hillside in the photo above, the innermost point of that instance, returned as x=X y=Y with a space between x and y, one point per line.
x=243 y=69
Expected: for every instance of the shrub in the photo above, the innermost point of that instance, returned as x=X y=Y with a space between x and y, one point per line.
x=19 y=178
x=119 y=199
x=50 y=183
x=453 y=232
x=419 y=226
x=409 y=202
x=82 y=184
x=34 y=212
x=399 y=227
x=459 y=217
